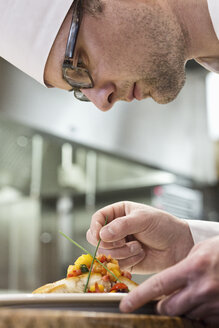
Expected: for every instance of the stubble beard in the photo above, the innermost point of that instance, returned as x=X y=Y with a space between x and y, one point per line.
x=164 y=73
x=166 y=79
x=157 y=52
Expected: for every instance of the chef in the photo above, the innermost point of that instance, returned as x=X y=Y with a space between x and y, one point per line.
x=110 y=50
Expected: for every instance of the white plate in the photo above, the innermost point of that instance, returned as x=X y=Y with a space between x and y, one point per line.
x=76 y=302
x=6 y=299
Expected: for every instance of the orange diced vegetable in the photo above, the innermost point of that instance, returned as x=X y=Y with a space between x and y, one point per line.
x=126 y=274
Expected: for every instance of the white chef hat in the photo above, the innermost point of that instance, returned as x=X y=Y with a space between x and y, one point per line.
x=28 y=30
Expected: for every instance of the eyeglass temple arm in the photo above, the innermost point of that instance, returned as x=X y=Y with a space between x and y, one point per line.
x=72 y=37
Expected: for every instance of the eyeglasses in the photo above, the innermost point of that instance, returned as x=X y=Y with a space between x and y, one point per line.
x=77 y=76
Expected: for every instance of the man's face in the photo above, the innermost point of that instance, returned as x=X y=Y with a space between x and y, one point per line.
x=133 y=49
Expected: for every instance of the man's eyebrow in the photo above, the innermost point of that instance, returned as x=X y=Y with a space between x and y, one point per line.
x=93 y=7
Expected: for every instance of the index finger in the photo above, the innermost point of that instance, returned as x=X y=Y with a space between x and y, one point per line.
x=163 y=283
x=111 y=212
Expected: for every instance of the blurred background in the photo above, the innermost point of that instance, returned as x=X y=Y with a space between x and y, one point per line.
x=61 y=160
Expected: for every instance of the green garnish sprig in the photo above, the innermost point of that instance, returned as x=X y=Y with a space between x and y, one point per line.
x=94 y=257
x=92 y=263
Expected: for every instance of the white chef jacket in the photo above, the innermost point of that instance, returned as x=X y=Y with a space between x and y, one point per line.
x=213 y=6
x=212 y=64
x=27 y=31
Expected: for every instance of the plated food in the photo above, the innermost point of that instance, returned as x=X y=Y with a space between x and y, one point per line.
x=106 y=277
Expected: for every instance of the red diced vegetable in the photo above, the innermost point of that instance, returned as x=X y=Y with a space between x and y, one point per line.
x=106 y=278
x=120 y=287
x=97 y=290
x=102 y=258
x=126 y=274
x=74 y=273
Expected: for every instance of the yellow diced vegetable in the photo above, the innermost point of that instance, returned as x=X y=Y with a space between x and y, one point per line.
x=72 y=268
x=116 y=272
x=115 y=262
x=101 y=288
x=113 y=266
x=84 y=259
x=92 y=288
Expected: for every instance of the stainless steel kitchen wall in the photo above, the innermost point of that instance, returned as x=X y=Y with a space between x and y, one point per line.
x=47 y=185
x=173 y=137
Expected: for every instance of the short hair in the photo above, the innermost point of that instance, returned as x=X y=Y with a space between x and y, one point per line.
x=92 y=7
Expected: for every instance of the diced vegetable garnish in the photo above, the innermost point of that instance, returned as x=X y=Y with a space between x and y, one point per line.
x=84 y=259
x=114 y=268
x=120 y=288
x=74 y=273
x=102 y=258
x=126 y=274
x=84 y=268
x=106 y=278
x=98 y=268
x=109 y=258
x=96 y=288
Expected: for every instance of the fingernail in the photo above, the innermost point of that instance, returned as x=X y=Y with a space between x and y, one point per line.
x=106 y=233
x=98 y=226
x=126 y=306
x=162 y=310
x=134 y=248
x=119 y=243
x=95 y=232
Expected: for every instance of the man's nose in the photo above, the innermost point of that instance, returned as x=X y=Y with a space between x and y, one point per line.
x=103 y=97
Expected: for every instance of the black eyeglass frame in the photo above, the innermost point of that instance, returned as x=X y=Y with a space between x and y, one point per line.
x=69 y=54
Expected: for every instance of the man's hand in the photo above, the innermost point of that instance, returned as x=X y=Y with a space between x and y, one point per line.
x=142 y=238
x=191 y=287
